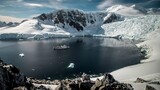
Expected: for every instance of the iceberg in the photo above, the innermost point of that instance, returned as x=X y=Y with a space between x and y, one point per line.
x=71 y=65
x=21 y=54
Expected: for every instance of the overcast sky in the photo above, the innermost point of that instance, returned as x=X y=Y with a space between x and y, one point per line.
x=30 y=8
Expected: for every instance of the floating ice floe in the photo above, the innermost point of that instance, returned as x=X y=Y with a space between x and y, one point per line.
x=33 y=69
x=21 y=54
x=71 y=65
x=48 y=78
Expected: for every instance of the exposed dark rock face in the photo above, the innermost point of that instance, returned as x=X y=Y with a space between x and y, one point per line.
x=11 y=77
x=140 y=80
x=111 y=17
x=9 y=24
x=85 y=77
x=149 y=88
x=109 y=83
x=2 y=24
x=154 y=82
x=74 y=18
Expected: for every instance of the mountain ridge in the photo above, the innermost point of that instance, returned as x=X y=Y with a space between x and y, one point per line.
x=67 y=22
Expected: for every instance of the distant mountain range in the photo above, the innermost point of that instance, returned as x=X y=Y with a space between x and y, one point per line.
x=9 y=21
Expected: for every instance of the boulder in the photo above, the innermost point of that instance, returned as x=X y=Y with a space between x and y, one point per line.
x=109 y=83
x=119 y=86
x=97 y=85
x=85 y=86
x=73 y=86
x=107 y=79
x=11 y=77
x=85 y=77
x=140 y=80
x=149 y=88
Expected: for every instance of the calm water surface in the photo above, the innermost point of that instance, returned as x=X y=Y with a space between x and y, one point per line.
x=90 y=55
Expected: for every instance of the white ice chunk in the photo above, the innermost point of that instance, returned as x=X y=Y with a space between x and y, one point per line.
x=21 y=54
x=71 y=65
x=48 y=78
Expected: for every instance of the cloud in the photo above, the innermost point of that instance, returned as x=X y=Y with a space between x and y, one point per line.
x=19 y=0
x=33 y=5
x=2 y=6
x=105 y=4
x=34 y=15
x=144 y=3
x=55 y=4
x=60 y=0
x=58 y=4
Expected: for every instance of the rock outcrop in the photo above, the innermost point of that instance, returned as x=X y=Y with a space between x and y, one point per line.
x=112 y=17
x=140 y=80
x=12 y=79
x=149 y=88
x=74 y=18
x=109 y=83
x=106 y=83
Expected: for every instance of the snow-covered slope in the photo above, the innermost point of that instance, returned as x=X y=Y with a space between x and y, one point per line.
x=148 y=28
x=149 y=68
x=61 y=23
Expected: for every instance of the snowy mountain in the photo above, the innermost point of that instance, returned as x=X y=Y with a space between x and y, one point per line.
x=66 y=22
x=133 y=10
x=62 y=23
x=9 y=21
x=71 y=18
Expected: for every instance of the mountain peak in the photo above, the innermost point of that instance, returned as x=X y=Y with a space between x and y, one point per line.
x=77 y=19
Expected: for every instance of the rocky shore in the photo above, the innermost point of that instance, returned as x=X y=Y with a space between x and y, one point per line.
x=12 y=79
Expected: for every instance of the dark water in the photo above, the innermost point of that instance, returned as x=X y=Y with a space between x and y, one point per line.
x=90 y=55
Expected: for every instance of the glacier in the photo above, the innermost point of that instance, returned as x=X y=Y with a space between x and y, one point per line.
x=135 y=28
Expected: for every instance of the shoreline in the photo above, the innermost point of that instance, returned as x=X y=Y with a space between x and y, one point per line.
x=123 y=73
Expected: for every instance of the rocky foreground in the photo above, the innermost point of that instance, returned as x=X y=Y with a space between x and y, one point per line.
x=12 y=79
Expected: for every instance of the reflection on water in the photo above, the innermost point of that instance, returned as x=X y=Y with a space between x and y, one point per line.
x=90 y=55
